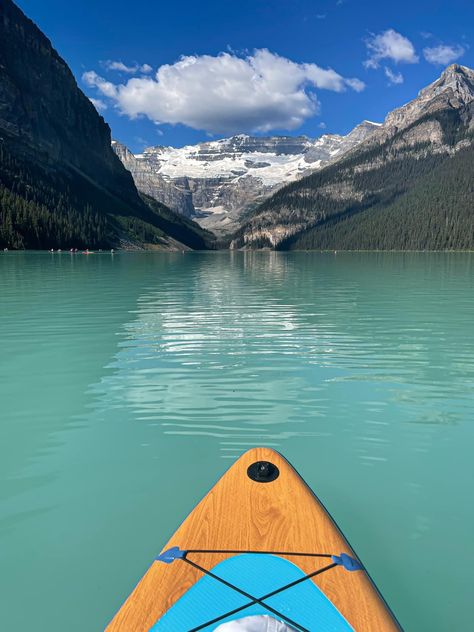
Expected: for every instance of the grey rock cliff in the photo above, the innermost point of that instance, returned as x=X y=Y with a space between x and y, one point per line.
x=216 y=182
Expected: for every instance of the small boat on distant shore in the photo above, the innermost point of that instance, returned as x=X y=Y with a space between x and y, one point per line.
x=259 y=552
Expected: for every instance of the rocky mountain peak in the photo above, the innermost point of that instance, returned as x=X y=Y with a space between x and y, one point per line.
x=362 y=131
x=424 y=146
x=459 y=80
x=456 y=70
x=122 y=151
x=453 y=89
x=215 y=181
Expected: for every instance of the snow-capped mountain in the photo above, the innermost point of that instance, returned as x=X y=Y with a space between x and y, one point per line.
x=215 y=182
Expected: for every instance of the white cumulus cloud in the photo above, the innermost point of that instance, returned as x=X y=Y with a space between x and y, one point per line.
x=355 y=84
x=226 y=93
x=121 y=67
x=393 y=77
x=92 y=79
x=443 y=54
x=389 y=45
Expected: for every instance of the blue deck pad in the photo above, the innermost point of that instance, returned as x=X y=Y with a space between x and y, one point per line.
x=257 y=575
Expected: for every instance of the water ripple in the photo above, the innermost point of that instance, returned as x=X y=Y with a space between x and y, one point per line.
x=120 y=376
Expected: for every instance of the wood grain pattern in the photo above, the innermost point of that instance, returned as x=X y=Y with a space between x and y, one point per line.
x=240 y=514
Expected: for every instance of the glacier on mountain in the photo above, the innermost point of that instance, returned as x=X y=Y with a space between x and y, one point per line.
x=216 y=182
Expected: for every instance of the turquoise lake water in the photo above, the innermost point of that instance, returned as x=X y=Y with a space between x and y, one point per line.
x=129 y=383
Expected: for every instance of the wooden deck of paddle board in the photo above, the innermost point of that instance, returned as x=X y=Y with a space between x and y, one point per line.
x=240 y=514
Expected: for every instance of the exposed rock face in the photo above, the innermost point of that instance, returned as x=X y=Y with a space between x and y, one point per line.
x=176 y=194
x=215 y=182
x=61 y=182
x=454 y=88
x=42 y=108
x=439 y=122
x=330 y=148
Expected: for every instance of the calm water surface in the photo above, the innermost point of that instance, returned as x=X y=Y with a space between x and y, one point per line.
x=129 y=383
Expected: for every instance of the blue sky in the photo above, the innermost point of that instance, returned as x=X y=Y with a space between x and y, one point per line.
x=173 y=73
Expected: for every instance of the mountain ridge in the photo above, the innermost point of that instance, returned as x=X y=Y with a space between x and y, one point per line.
x=61 y=184
x=430 y=130
x=215 y=182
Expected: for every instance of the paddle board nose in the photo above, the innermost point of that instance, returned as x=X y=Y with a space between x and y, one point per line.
x=239 y=525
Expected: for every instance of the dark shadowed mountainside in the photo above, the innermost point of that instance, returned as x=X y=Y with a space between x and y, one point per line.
x=61 y=184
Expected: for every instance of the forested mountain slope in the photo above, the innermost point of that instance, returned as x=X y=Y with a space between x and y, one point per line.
x=61 y=184
x=410 y=186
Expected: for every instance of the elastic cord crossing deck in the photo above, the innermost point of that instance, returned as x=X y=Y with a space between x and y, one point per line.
x=175 y=553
